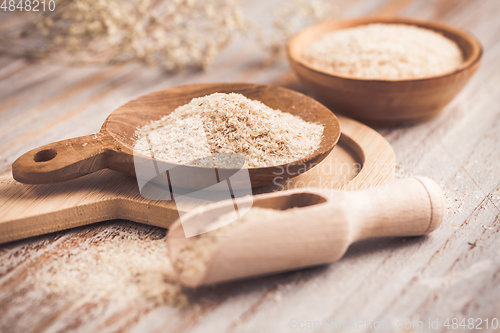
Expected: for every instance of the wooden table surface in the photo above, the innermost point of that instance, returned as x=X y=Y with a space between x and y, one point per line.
x=453 y=273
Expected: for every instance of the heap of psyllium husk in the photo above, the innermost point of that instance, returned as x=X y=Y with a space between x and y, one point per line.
x=228 y=124
x=384 y=51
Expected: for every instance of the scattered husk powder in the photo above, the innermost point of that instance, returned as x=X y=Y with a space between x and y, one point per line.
x=120 y=269
x=228 y=124
x=384 y=51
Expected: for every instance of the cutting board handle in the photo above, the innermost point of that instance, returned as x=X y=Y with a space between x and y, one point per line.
x=63 y=160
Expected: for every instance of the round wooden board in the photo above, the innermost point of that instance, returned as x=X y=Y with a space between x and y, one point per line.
x=362 y=158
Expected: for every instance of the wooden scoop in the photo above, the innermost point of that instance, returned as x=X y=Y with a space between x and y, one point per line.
x=318 y=232
x=113 y=146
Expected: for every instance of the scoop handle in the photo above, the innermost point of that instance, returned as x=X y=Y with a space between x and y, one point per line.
x=62 y=160
x=409 y=207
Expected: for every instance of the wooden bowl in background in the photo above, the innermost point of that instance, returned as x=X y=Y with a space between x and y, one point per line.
x=384 y=102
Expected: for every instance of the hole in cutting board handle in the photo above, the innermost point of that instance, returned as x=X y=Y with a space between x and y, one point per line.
x=45 y=155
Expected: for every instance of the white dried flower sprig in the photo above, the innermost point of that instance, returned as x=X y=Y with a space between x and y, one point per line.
x=169 y=34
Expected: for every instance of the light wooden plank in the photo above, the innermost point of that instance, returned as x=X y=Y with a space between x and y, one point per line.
x=397 y=279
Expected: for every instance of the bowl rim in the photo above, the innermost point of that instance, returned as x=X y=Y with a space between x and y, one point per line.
x=473 y=59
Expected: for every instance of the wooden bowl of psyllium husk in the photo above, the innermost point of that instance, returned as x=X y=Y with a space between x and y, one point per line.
x=384 y=71
x=200 y=134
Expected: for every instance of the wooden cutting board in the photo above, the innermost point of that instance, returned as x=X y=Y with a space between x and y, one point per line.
x=362 y=158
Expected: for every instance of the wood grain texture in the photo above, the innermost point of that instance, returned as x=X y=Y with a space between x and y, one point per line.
x=454 y=272
x=362 y=159
x=384 y=102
